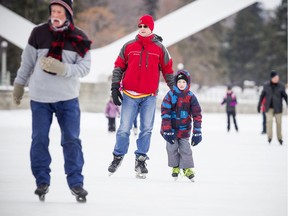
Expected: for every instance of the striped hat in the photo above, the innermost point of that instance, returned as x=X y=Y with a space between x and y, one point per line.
x=67 y=4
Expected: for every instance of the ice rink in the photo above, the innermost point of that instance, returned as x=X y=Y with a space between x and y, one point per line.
x=237 y=174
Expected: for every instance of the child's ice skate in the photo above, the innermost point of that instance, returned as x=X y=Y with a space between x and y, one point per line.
x=188 y=172
x=175 y=172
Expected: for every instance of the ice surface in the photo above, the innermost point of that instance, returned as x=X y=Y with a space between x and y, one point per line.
x=237 y=174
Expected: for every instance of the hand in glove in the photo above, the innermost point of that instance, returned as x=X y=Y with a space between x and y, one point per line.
x=196 y=137
x=18 y=93
x=169 y=136
x=116 y=95
x=53 y=65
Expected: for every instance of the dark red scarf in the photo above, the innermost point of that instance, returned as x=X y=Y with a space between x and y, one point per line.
x=80 y=44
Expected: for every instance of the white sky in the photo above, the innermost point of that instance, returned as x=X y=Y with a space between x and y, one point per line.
x=237 y=174
x=271 y=4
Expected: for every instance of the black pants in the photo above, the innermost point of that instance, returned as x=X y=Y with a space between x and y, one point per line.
x=111 y=124
x=233 y=115
x=264 y=122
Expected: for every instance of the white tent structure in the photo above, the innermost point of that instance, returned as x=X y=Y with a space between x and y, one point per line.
x=186 y=21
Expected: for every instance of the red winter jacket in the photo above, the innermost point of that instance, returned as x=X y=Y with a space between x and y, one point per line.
x=139 y=64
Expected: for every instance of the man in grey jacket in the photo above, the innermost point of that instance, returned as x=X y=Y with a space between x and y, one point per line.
x=274 y=91
x=56 y=56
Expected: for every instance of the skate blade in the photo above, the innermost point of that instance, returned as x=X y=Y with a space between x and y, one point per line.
x=42 y=197
x=81 y=199
x=192 y=180
x=110 y=173
x=140 y=175
x=175 y=178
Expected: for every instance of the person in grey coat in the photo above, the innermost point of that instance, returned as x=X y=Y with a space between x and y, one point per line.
x=56 y=56
x=274 y=91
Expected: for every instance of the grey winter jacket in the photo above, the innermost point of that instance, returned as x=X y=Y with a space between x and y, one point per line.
x=44 y=87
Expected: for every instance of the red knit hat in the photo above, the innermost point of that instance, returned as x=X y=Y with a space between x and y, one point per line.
x=147 y=20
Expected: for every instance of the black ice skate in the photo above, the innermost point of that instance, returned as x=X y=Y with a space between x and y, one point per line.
x=115 y=164
x=140 y=167
x=80 y=193
x=41 y=191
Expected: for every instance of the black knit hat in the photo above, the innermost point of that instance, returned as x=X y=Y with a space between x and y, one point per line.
x=273 y=74
x=67 y=4
x=181 y=76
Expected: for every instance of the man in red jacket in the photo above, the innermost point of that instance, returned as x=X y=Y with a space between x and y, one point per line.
x=137 y=68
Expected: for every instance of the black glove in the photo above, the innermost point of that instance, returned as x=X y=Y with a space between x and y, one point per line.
x=116 y=95
x=169 y=136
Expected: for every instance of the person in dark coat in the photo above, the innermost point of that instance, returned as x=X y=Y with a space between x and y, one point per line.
x=274 y=92
x=231 y=101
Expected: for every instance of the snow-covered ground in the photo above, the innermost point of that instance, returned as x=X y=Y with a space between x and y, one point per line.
x=237 y=174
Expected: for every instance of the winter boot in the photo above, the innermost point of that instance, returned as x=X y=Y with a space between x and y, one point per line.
x=140 y=167
x=175 y=172
x=188 y=172
x=80 y=193
x=41 y=190
x=115 y=164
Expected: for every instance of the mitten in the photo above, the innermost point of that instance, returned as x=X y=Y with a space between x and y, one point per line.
x=53 y=65
x=116 y=95
x=196 y=137
x=169 y=136
x=18 y=93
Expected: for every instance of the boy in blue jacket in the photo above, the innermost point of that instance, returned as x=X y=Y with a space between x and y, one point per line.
x=180 y=108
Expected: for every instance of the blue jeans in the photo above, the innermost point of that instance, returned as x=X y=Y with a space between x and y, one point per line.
x=130 y=107
x=68 y=116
